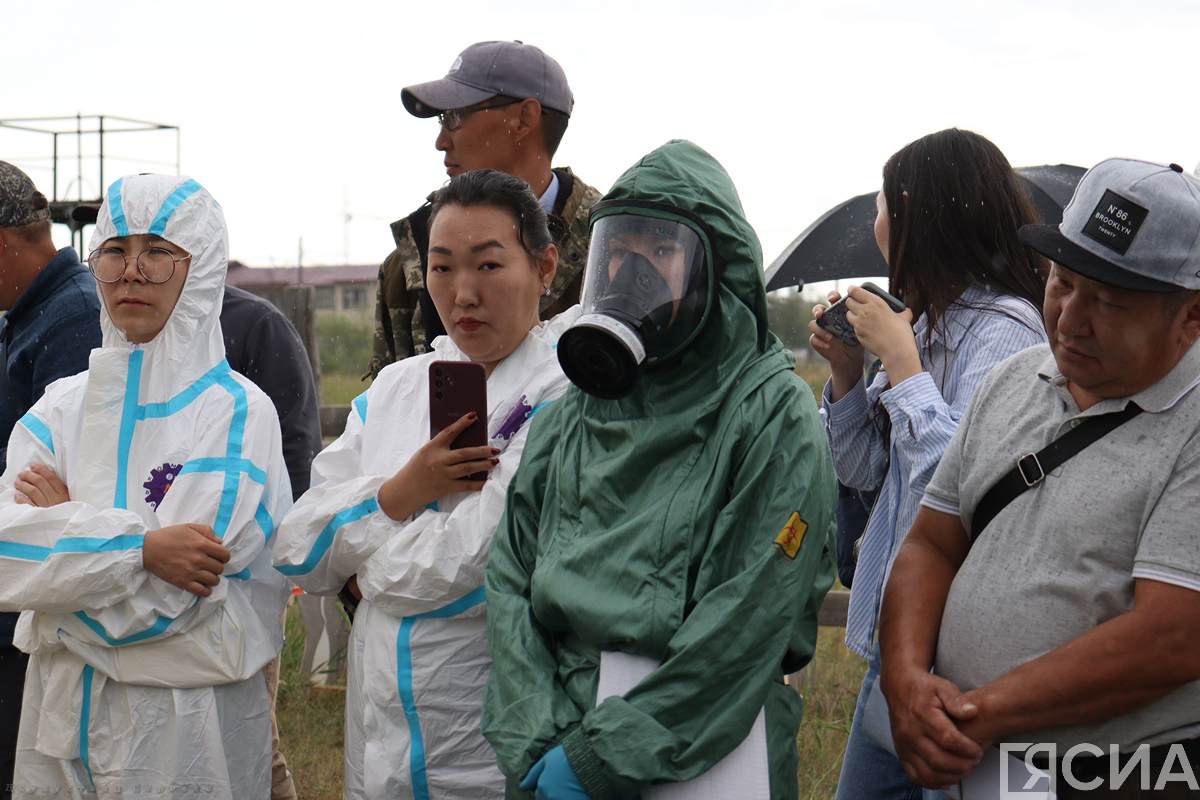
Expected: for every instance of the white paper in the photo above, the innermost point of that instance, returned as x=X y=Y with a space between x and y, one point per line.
x=744 y=773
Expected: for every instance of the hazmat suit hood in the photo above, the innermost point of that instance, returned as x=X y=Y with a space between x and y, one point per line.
x=181 y=360
x=733 y=335
x=181 y=211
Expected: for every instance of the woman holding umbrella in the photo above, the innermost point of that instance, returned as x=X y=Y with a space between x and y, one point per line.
x=948 y=214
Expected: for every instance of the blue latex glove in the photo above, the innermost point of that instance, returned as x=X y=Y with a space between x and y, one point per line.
x=553 y=779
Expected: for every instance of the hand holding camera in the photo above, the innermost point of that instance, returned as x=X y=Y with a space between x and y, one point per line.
x=867 y=318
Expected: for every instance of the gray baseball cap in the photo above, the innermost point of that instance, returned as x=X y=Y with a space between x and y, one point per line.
x=486 y=69
x=1130 y=224
x=20 y=201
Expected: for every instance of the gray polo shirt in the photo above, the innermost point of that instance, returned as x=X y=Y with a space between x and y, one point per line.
x=1062 y=558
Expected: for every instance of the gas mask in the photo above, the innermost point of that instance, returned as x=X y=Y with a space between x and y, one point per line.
x=646 y=295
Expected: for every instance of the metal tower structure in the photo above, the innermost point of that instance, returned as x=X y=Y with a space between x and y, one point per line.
x=85 y=129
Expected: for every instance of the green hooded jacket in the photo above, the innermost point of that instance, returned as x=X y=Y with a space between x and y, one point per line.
x=690 y=522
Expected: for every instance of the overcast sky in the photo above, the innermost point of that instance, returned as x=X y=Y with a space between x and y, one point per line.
x=291 y=114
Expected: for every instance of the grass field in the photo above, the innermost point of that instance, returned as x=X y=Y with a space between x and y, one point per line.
x=814 y=372
x=310 y=720
x=831 y=688
x=338 y=389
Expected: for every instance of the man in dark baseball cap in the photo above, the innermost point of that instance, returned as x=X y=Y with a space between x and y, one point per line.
x=1054 y=559
x=487 y=69
x=503 y=106
x=51 y=325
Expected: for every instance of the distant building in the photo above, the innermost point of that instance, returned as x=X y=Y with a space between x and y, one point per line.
x=348 y=289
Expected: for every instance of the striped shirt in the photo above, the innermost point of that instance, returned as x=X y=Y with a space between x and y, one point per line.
x=925 y=410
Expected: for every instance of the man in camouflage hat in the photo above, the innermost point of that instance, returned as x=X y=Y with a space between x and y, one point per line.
x=504 y=106
x=51 y=324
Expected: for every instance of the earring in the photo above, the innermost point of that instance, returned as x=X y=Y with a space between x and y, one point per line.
x=547 y=292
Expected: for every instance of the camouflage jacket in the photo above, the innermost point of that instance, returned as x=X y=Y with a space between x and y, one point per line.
x=402 y=304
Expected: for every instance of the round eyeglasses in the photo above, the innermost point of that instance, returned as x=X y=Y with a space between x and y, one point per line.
x=155 y=264
x=454 y=118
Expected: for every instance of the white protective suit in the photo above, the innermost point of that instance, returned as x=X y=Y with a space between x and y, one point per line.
x=136 y=688
x=418 y=660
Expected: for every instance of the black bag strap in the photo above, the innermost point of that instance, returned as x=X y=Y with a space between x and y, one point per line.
x=1031 y=469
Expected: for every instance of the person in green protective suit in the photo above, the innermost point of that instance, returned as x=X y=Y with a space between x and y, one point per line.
x=675 y=507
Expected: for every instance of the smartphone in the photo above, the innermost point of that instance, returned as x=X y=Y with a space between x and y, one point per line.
x=457 y=388
x=834 y=319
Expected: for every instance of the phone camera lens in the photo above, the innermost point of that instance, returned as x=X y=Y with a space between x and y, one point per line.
x=438 y=395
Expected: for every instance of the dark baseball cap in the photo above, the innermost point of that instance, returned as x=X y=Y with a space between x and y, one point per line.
x=20 y=201
x=1130 y=224
x=486 y=69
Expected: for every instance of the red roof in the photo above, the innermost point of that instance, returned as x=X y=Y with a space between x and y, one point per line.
x=245 y=277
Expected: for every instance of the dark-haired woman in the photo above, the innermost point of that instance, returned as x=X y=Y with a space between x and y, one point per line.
x=947 y=222
x=397 y=511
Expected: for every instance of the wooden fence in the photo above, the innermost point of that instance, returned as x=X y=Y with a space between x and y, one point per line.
x=833 y=610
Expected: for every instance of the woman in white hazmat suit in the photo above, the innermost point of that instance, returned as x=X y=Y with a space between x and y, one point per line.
x=136 y=686
x=394 y=509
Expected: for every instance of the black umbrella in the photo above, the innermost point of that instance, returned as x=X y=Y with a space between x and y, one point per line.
x=841 y=243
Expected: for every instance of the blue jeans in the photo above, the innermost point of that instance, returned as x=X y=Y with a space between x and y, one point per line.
x=869 y=772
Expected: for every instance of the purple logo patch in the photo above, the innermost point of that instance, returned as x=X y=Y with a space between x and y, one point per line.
x=515 y=419
x=160 y=481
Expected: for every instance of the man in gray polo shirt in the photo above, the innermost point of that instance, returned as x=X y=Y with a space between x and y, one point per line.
x=1074 y=616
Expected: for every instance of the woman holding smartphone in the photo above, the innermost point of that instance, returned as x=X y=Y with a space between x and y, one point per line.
x=410 y=519
x=947 y=222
